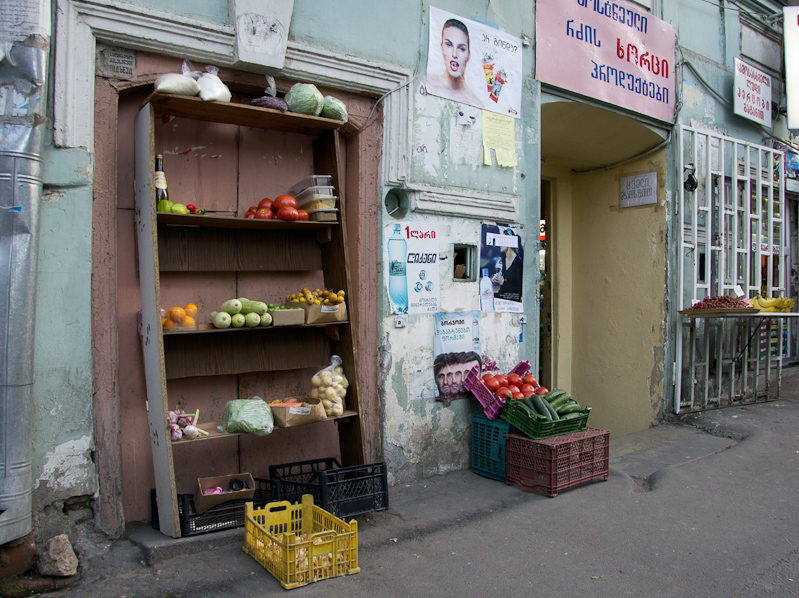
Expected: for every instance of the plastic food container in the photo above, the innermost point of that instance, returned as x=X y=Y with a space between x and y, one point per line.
x=312 y=194
x=323 y=215
x=315 y=180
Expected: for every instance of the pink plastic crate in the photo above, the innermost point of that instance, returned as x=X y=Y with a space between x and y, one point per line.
x=492 y=404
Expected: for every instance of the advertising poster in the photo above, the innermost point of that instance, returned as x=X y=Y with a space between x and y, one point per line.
x=456 y=350
x=501 y=268
x=411 y=267
x=474 y=64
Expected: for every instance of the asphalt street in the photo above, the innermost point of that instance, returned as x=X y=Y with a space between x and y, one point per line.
x=702 y=506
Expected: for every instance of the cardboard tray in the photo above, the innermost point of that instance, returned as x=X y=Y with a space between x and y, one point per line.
x=288 y=417
x=317 y=314
x=287 y=317
x=203 y=502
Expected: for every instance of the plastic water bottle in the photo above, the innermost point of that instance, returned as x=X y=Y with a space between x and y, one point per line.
x=500 y=264
x=486 y=292
x=397 y=279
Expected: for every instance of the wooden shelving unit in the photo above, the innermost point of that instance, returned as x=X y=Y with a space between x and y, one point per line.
x=188 y=243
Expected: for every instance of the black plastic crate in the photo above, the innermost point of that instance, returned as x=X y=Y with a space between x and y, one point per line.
x=227 y=515
x=343 y=491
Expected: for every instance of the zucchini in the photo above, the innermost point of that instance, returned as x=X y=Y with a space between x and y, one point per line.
x=237 y=320
x=252 y=319
x=221 y=319
x=570 y=409
x=552 y=412
x=266 y=319
x=232 y=306
x=540 y=406
x=252 y=307
x=554 y=394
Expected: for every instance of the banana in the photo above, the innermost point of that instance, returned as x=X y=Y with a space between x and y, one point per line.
x=754 y=302
x=768 y=301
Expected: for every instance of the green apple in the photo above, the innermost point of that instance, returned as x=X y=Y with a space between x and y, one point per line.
x=164 y=206
x=179 y=208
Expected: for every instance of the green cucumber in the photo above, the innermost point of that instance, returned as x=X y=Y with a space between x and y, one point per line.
x=576 y=408
x=540 y=406
x=574 y=415
x=529 y=404
x=554 y=394
x=552 y=412
x=561 y=400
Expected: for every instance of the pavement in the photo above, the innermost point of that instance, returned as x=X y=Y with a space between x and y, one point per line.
x=702 y=505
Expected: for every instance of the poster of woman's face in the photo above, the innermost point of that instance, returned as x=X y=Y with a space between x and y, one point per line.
x=473 y=63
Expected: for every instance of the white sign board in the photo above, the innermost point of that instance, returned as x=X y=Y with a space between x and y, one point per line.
x=639 y=189
x=752 y=93
x=791 y=28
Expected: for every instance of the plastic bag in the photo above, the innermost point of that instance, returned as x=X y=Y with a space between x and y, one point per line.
x=183 y=84
x=330 y=385
x=334 y=108
x=211 y=86
x=253 y=416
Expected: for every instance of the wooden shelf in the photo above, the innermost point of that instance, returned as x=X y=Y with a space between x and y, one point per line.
x=240 y=114
x=212 y=221
x=214 y=433
x=210 y=328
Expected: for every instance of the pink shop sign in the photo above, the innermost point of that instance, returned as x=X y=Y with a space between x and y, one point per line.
x=606 y=50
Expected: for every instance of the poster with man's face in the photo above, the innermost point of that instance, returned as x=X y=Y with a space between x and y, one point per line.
x=475 y=64
x=456 y=350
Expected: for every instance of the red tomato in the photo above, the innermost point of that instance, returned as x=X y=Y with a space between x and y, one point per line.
x=530 y=379
x=282 y=201
x=265 y=203
x=527 y=389
x=502 y=379
x=503 y=393
x=250 y=215
x=541 y=390
x=252 y=209
x=487 y=375
x=513 y=388
x=191 y=208
x=303 y=215
x=264 y=214
x=518 y=395
x=515 y=379
x=287 y=213
x=491 y=384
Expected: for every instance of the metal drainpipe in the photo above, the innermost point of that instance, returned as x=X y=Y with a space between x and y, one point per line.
x=23 y=70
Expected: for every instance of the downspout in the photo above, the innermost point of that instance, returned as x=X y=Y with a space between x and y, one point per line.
x=24 y=50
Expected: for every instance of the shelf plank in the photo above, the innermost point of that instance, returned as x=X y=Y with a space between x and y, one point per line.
x=244 y=350
x=215 y=434
x=240 y=114
x=204 y=328
x=214 y=221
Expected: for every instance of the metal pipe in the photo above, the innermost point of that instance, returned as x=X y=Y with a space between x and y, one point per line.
x=23 y=68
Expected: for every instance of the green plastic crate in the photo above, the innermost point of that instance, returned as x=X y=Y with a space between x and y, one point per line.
x=537 y=429
x=488 y=446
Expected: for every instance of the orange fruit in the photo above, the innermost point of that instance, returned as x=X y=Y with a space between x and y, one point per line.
x=164 y=321
x=188 y=321
x=191 y=310
x=170 y=323
x=177 y=314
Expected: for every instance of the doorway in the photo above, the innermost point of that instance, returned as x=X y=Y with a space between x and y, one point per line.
x=546 y=275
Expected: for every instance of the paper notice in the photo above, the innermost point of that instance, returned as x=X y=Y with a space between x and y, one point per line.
x=499 y=134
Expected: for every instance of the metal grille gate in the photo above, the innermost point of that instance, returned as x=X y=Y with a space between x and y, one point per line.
x=733 y=235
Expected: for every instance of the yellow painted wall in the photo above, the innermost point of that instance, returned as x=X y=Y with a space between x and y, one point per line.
x=608 y=295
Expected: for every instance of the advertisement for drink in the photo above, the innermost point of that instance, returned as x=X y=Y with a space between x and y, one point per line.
x=411 y=267
x=501 y=268
x=474 y=63
x=456 y=350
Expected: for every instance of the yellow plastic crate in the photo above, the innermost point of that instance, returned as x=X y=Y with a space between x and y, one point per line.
x=300 y=543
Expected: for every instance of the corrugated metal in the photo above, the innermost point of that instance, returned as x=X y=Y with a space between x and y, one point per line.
x=22 y=77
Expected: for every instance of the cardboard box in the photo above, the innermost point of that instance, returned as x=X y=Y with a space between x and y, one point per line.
x=317 y=314
x=287 y=417
x=203 y=502
x=287 y=317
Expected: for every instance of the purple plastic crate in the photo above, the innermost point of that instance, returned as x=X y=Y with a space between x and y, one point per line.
x=492 y=404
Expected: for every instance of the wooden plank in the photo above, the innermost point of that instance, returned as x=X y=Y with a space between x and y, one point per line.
x=245 y=350
x=215 y=221
x=214 y=433
x=152 y=341
x=196 y=249
x=244 y=115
